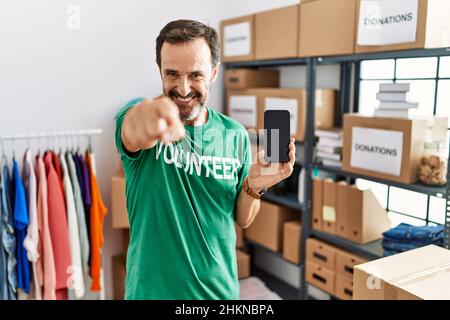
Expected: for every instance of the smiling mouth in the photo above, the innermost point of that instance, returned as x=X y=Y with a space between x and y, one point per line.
x=185 y=100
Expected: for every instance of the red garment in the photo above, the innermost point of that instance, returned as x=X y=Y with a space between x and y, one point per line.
x=58 y=228
x=55 y=161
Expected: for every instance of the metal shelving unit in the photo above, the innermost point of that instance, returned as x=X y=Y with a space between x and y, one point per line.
x=349 y=91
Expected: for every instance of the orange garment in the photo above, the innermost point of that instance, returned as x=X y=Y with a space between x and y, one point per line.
x=97 y=214
x=58 y=228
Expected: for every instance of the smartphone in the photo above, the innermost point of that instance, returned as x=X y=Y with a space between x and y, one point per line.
x=277 y=135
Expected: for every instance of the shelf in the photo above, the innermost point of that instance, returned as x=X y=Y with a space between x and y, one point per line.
x=371 y=250
x=278 y=255
x=412 y=53
x=266 y=63
x=417 y=187
x=289 y=200
x=283 y=289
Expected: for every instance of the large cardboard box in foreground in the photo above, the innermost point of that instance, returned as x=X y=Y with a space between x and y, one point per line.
x=327 y=27
x=238 y=39
x=267 y=228
x=119 y=210
x=432 y=29
x=422 y=273
x=277 y=33
x=251 y=78
x=388 y=148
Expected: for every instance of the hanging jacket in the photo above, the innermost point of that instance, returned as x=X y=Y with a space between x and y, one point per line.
x=32 y=238
x=58 y=229
x=46 y=261
x=84 y=242
x=55 y=162
x=86 y=198
x=77 y=280
x=4 y=289
x=9 y=236
x=21 y=225
x=98 y=213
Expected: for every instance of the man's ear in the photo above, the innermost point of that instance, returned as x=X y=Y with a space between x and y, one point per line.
x=215 y=73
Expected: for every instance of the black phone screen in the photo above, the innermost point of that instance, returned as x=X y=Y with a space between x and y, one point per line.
x=277 y=135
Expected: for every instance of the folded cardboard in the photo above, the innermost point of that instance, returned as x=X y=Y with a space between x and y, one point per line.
x=320 y=276
x=277 y=33
x=343 y=287
x=431 y=29
x=243 y=264
x=267 y=228
x=239 y=236
x=251 y=78
x=327 y=27
x=248 y=106
x=345 y=262
x=317 y=204
x=387 y=148
x=329 y=206
x=119 y=211
x=238 y=39
x=119 y=274
x=359 y=216
x=321 y=253
x=422 y=273
x=291 y=241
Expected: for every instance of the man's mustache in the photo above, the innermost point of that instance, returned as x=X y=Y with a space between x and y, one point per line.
x=176 y=94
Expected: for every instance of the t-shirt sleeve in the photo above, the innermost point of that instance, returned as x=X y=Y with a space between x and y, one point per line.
x=246 y=156
x=119 y=117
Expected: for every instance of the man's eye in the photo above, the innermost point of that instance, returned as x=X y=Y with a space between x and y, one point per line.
x=171 y=74
x=196 y=75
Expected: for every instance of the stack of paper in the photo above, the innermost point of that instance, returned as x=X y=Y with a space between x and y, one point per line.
x=329 y=147
x=393 y=104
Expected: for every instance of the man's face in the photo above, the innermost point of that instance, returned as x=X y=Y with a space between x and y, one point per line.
x=187 y=75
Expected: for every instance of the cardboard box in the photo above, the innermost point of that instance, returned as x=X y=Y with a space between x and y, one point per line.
x=320 y=276
x=291 y=241
x=343 y=288
x=345 y=262
x=327 y=27
x=317 y=204
x=251 y=78
x=277 y=33
x=238 y=39
x=242 y=106
x=422 y=273
x=321 y=253
x=359 y=217
x=392 y=151
x=248 y=106
x=119 y=274
x=239 y=236
x=294 y=100
x=432 y=28
x=329 y=206
x=267 y=228
x=119 y=210
x=243 y=264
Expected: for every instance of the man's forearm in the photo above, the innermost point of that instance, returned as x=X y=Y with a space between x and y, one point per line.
x=247 y=208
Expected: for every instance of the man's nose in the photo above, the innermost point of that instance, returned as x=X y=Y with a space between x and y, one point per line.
x=184 y=86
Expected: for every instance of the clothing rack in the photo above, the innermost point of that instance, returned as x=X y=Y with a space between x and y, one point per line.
x=51 y=134
x=60 y=134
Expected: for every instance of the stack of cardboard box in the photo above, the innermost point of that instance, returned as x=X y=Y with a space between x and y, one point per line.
x=330 y=269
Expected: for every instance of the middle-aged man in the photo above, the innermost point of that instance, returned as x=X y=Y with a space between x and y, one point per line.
x=189 y=176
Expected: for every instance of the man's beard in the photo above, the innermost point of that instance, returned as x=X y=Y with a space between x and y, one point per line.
x=188 y=113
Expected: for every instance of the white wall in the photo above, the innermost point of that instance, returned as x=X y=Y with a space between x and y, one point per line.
x=54 y=78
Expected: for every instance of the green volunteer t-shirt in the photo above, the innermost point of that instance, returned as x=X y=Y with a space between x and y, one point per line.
x=181 y=199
